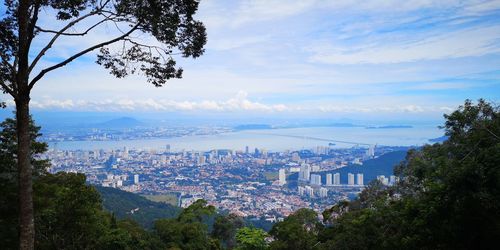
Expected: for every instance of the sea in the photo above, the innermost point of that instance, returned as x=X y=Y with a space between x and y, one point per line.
x=273 y=140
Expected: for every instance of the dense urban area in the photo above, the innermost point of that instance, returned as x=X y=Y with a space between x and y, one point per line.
x=249 y=183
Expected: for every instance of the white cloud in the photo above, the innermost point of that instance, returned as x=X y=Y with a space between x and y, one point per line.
x=472 y=42
x=239 y=104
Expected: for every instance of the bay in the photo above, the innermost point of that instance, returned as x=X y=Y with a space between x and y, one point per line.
x=272 y=139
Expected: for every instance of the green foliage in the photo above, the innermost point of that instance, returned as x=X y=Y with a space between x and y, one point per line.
x=251 y=239
x=121 y=203
x=68 y=212
x=225 y=227
x=9 y=177
x=187 y=231
x=448 y=196
x=298 y=231
x=196 y=212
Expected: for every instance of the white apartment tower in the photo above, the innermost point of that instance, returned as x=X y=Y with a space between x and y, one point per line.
x=336 y=179
x=359 y=178
x=305 y=172
x=316 y=179
x=329 y=179
x=282 y=177
x=350 y=179
x=323 y=192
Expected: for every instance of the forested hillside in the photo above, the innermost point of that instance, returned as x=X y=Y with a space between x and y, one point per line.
x=126 y=205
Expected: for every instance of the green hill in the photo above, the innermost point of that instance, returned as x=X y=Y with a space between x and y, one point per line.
x=129 y=205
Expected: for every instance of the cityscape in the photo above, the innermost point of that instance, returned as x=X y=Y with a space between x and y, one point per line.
x=250 y=183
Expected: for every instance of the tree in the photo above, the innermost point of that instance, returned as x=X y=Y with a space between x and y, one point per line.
x=448 y=196
x=187 y=231
x=9 y=176
x=251 y=239
x=225 y=227
x=297 y=231
x=169 y=22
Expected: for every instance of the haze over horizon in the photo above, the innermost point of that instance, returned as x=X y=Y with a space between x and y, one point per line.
x=370 y=60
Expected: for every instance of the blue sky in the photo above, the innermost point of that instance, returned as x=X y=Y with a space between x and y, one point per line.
x=305 y=58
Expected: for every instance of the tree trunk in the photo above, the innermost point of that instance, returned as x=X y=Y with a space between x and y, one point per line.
x=26 y=217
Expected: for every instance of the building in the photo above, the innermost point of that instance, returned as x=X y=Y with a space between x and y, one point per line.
x=350 y=179
x=336 y=179
x=282 y=177
x=305 y=172
x=370 y=153
x=384 y=180
x=136 y=179
x=359 y=178
x=323 y=192
x=125 y=153
x=309 y=191
x=301 y=190
x=329 y=179
x=201 y=160
x=316 y=179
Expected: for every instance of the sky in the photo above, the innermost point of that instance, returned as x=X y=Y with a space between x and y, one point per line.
x=390 y=59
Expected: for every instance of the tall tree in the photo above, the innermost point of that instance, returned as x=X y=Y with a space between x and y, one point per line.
x=9 y=177
x=448 y=195
x=225 y=227
x=169 y=22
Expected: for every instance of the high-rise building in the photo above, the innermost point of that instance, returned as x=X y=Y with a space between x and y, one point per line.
x=201 y=160
x=282 y=177
x=247 y=150
x=309 y=191
x=371 y=151
x=263 y=152
x=350 y=179
x=305 y=172
x=167 y=148
x=301 y=190
x=323 y=192
x=336 y=179
x=359 y=178
x=136 y=179
x=125 y=153
x=329 y=179
x=316 y=179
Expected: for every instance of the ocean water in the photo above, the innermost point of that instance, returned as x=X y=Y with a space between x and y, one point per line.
x=273 y=139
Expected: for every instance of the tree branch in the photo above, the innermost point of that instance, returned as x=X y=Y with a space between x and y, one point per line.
x=73 y=34
x=59 y=33
x=81 y=53
x=8 y=89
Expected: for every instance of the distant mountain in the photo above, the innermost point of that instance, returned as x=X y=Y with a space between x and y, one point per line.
x=123 y=122
x=389 y=127
x=129 y=205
